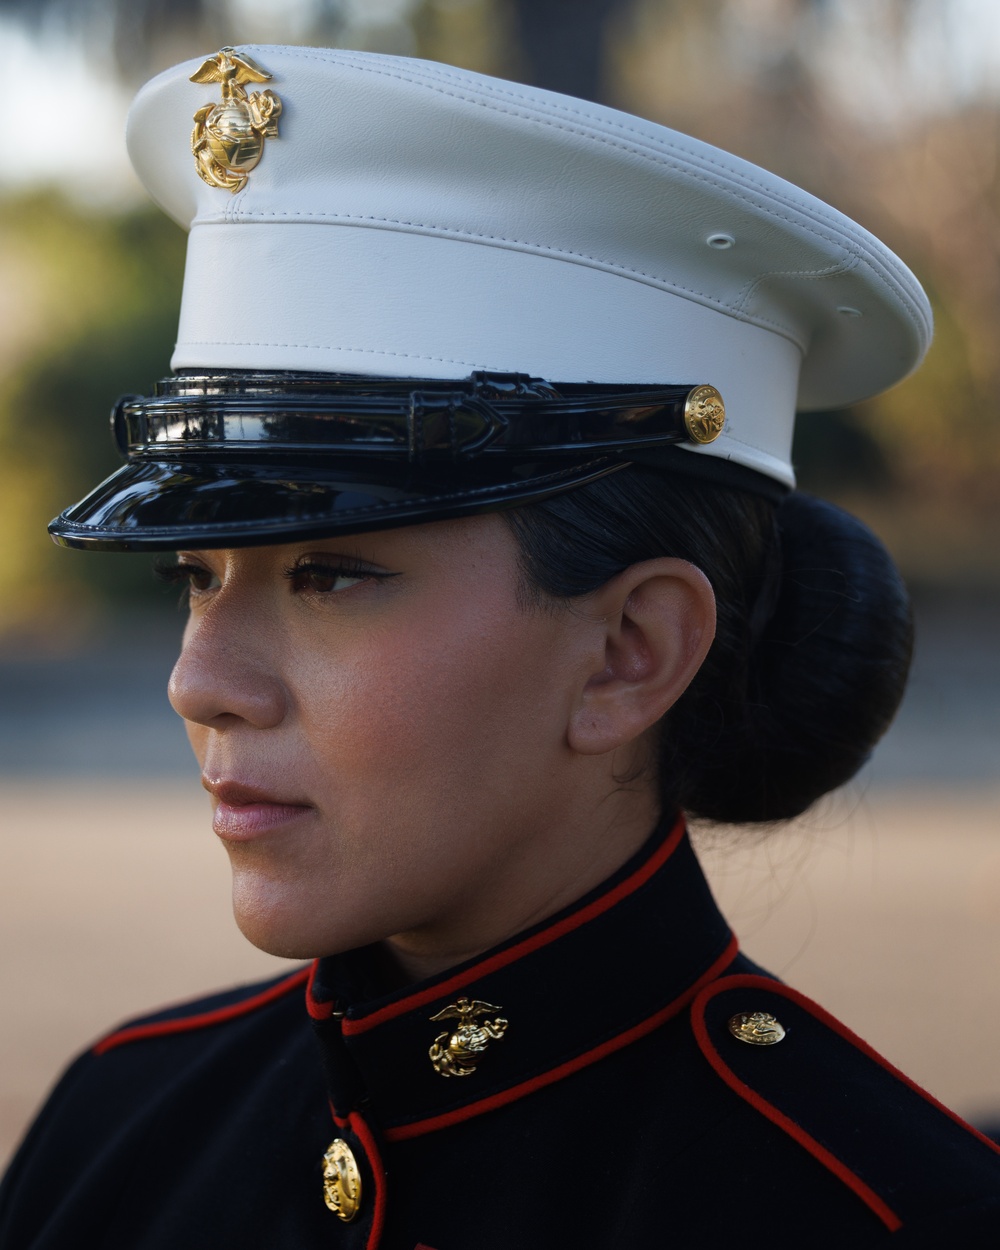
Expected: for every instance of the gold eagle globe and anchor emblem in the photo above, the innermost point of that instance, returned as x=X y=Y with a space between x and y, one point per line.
x=458 y=1052
x=228 y=138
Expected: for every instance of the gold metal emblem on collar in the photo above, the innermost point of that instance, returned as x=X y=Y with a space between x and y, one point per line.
x=457 y=1053
x=758 y=1028
x=341 y=1181
x=228 y=138
x=704 y=414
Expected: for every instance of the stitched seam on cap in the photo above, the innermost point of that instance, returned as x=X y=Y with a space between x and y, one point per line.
x=547 y=107
x=848 y=238
x=538 y=249
x=813 y=210
x=676 y=155
x=331 y=347
x=831 y=271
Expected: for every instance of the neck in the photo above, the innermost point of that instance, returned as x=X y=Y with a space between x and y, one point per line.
x=542 y=872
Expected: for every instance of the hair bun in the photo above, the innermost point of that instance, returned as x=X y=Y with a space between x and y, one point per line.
x=827 y=672
x=813 y=633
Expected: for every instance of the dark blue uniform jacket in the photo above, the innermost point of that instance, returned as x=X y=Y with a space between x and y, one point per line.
x=616 y=1108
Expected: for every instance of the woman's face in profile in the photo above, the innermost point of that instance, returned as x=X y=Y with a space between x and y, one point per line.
x=382 y=726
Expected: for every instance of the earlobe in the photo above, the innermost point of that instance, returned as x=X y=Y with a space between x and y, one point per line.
x=657 y=622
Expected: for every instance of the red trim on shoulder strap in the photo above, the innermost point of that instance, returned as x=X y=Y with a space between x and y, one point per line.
x=867 y=1195
x=444 y=989
x=618 y=1042
x=837 y=1026
x=161 y=1028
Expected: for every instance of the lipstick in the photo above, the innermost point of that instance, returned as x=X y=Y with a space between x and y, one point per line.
x=245 y=812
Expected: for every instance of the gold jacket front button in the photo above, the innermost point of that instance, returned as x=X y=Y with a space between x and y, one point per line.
x=757 y=1028
x=341 y=1180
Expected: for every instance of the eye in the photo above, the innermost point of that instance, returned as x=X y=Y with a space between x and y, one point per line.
x=193 y=579
x=323 y=578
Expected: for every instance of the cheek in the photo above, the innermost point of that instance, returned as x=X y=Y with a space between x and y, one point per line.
x=441 y=705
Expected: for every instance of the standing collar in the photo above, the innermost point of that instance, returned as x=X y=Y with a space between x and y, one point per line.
x=586 y=982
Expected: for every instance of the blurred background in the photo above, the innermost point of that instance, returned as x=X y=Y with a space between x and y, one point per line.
x=887 y=902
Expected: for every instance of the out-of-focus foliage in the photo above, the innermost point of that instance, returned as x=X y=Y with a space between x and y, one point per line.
x=840 y=96
x=856 y=103
x=89 y=310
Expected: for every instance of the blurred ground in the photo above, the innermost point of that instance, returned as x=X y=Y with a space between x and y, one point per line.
x=884 y=902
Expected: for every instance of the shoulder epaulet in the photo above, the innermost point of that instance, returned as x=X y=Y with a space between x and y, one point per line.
x=902 y=1152
x=202 y=1013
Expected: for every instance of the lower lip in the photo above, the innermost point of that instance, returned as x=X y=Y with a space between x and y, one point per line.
x=252 y=820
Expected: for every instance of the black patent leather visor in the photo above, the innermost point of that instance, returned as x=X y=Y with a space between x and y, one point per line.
x=244 y=459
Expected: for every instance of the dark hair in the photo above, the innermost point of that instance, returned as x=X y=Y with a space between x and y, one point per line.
x=813 y=642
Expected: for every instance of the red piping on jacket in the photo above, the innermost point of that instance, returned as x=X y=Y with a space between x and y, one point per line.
x=443 y=989
x=364 y=1134
x=318 y=1010
x=633 y=1034
x=137 y=1032
x=367 y=1139
x=867 y=1195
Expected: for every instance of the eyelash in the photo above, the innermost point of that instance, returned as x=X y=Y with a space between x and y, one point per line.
x=183 y=573
x=341 y=567
x=177 y=574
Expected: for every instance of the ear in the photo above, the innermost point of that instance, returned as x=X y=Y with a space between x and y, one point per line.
x=657 y=622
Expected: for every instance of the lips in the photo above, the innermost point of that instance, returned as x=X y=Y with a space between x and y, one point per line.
x=244 y=812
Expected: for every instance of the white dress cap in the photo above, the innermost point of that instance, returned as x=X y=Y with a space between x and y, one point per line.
x=410 y=219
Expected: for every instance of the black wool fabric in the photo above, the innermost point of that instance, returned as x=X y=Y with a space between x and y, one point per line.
x=615 y=1108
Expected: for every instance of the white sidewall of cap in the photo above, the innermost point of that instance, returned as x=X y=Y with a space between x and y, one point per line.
x=350 y=299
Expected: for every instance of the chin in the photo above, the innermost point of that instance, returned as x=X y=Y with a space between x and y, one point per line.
x=274 y=922
x=283 y=920
x=273 y=940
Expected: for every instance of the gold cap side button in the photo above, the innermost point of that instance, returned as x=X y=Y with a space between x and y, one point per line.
x=704 y=414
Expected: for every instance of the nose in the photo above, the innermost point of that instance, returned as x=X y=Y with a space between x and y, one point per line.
x=223 y=677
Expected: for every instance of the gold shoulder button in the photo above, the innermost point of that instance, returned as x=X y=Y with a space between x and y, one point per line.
x=757 y=1028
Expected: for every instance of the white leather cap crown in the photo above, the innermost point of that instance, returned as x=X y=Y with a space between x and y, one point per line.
x=415 y=220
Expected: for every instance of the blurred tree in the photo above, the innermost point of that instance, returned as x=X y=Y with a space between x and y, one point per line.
x=562 y=43
x=871 y=108
x=99 y=321
x=559 y=42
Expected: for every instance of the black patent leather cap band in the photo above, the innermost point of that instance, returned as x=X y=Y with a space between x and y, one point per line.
x=389 y=418
x=243 y=459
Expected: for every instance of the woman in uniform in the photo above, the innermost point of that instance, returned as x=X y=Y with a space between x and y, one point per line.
x=476 y=465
